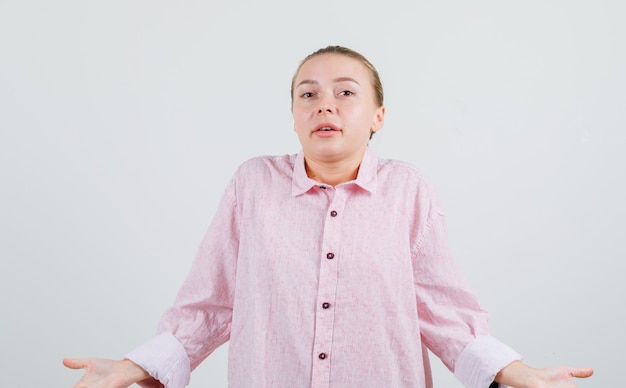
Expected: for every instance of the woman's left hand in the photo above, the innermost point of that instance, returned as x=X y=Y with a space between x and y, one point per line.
x=520 y=375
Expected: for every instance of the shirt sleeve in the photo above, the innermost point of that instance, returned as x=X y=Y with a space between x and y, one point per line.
x=481 y=360
x=453 y=324
x=165 y=359
x=199 y=321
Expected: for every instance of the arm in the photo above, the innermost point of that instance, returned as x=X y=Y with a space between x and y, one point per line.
x=453 y=324
x=520 y=375
x=199 y=320
x=196 y=324
x=453 y=320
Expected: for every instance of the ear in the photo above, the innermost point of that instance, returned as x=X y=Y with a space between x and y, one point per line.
x=379 y=119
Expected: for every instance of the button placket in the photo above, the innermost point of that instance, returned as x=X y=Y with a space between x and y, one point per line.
x=327 y=288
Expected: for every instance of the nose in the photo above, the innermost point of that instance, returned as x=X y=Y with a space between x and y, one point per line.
x=326 y=108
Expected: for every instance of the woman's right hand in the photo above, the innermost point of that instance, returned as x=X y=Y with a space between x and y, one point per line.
x=104 y=373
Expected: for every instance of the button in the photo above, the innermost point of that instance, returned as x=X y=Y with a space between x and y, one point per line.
x=333 y=213
x=322 y=356
x=330 y=255
x=323 y=187
x=325 y=305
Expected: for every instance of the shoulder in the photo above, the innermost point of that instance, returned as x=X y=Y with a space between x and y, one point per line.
x=397 y=165
x=401 y=179
x=266 y=163
x=260 y=171
x=395 y=170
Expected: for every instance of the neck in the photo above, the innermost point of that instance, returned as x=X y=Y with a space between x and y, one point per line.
x=332 y=172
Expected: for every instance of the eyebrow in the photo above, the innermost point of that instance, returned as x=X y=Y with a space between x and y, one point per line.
x=338 y=79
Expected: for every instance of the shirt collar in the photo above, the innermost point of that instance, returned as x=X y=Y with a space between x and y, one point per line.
x=366 y=177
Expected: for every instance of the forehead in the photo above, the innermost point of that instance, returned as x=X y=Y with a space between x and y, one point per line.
x=332 y=66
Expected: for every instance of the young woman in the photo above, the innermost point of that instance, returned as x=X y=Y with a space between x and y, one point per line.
x=327 y=268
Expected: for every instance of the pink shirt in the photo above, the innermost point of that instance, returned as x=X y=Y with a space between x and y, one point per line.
x=321 y=286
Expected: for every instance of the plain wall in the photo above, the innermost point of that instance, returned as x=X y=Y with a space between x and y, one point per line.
x=122 y=121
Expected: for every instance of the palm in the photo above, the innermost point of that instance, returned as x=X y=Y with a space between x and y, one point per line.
x=99 y=373
x=561 y=376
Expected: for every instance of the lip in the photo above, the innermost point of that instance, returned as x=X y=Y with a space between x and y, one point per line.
x=332 y=126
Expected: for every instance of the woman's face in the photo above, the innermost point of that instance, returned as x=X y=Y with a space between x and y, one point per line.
x=334 y=108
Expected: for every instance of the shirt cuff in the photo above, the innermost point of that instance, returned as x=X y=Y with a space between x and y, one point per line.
x=481 y=360
x=165 y=359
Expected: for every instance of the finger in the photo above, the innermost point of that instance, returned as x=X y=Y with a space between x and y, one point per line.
x=75 y=363
x=581 y=372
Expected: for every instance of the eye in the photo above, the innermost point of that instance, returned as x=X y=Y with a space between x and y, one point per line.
x=307 y=95
x=346 y=93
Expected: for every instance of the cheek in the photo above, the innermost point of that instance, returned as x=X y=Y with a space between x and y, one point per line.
x=299 y=117
x=361 y=119
x=298 y=127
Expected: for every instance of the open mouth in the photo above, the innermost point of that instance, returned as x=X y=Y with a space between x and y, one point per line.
x=326 y=127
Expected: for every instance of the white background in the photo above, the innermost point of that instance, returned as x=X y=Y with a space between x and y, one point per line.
x=122 y=121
